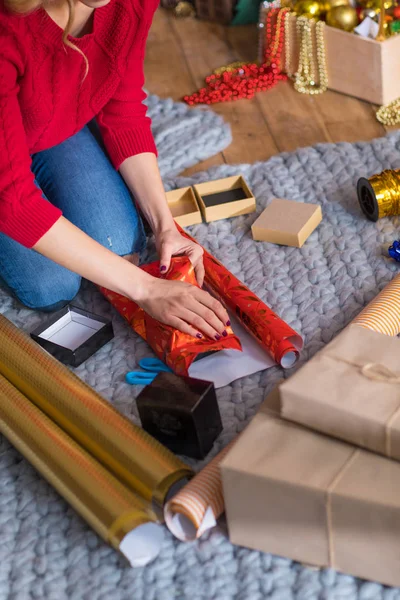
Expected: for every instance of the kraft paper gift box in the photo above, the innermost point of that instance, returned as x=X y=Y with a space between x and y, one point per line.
x=350 y=390
x=184 y=207
x=356 y=65
x=299 y=494
x=224 y=198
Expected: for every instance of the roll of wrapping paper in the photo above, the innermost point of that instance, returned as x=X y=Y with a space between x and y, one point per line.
x=132 y=455
x=197 y=506
x=274 y=335
x=175 y=348
x=382 y=314
x=120 y=517
x=379 y=196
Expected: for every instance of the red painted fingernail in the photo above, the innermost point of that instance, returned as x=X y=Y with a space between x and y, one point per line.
x=225 y=333
x=228 y=323
x=198 y=335
x=163 y=268
x=217 y=337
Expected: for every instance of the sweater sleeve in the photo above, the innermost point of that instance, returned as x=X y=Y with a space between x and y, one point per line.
x=123 y=122
x=25 y=215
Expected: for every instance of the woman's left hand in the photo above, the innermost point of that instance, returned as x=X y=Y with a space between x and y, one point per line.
x=171 y=243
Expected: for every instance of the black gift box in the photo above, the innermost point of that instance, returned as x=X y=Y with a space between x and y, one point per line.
x=182 y=413
x=72 y=335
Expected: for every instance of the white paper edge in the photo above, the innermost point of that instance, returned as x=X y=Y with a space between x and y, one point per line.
x=182 y=527
x=143 y=544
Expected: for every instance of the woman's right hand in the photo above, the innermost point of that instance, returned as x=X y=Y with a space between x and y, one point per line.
x=185 y=307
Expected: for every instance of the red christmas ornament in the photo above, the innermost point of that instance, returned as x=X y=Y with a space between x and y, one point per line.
x=247 y=80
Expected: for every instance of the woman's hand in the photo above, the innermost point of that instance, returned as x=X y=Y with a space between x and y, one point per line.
x=185 y=307
x=171 y=243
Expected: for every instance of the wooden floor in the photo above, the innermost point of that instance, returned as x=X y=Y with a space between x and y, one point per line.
x=180 y=53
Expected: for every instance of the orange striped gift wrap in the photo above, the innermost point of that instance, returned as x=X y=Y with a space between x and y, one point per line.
x=197 y=506
x=382 y=314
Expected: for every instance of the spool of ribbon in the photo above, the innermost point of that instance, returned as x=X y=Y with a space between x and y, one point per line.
x=379 y=196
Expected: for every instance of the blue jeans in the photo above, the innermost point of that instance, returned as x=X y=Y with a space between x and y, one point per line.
x=77 y=177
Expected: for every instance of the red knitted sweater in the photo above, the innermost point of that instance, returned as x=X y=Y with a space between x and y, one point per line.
x=44 y=100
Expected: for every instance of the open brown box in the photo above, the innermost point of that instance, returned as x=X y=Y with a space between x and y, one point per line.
x=214 y=200
x=184 y=207
x=225 y=198
x=356 y=65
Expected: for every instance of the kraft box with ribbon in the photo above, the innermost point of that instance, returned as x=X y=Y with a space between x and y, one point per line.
x=350 y=390
x=296 y=493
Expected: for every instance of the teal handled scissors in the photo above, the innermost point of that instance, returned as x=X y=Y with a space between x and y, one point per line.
x=151 y=368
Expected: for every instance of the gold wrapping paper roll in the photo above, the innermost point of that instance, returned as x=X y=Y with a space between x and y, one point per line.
x=132 y=455
x=382 y=314
x=119 y=516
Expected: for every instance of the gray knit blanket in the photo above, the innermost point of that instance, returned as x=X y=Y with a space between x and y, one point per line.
x=46 y=550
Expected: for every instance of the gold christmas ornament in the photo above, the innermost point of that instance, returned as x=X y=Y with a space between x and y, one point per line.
x=312 y=9
x=184 y=10
x=342 y=17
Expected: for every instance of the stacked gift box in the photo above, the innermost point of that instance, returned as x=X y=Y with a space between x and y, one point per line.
x=315 y=477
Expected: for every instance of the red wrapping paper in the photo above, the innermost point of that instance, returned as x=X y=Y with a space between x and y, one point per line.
x=274 y=335
x=176 y=349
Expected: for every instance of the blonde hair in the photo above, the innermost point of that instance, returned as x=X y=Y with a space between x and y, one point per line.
x=26 y=6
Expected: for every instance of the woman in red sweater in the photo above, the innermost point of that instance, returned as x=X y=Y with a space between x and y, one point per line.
x=75 y=147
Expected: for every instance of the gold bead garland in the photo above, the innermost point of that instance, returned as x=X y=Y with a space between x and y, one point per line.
x=390 y=113
x=306 y=80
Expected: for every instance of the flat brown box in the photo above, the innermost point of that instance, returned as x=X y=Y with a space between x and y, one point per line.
x=184 y=207
x=228 y=208
x=358 y=66
x=308 y=497
x=286 y=222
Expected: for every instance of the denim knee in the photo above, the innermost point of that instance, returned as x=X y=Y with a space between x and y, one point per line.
x=49 y=296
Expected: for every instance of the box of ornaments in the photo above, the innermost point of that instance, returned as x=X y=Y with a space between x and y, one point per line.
x=349 y=46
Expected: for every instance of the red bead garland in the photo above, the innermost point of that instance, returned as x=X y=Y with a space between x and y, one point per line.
x=247 y=80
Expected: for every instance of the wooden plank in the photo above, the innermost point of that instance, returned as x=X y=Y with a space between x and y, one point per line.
x=348 y=119
x=291 y=118
x=166 y=70
x=206 y=47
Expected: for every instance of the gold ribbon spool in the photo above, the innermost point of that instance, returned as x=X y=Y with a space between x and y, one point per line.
x=379 y=196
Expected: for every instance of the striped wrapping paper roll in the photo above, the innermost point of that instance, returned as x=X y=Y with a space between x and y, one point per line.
x=120 y=517
x=383 y=313
x=197 y=506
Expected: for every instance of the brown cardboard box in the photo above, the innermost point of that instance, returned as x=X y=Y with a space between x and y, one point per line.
x=287 y=222
x=296 y=493
x=358 y=66
x=184 y=207
x=224 y=198
x=336 y=394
